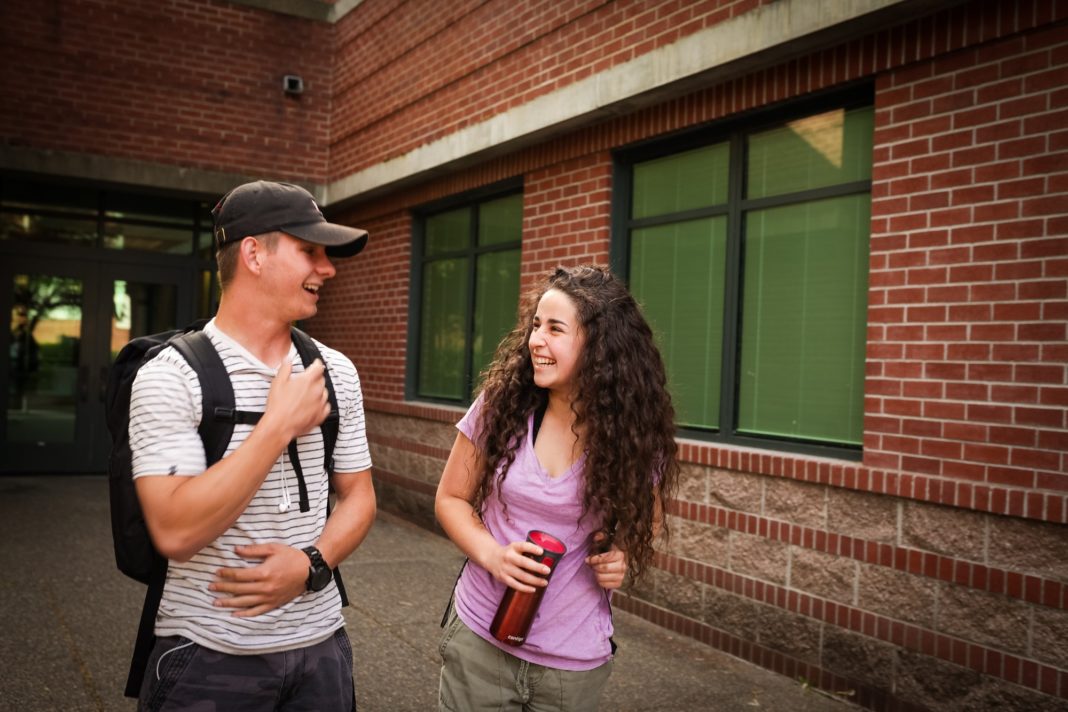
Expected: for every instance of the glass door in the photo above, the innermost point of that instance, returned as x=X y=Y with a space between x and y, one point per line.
x=45 y=370
x=136 y=301
x=67 y=320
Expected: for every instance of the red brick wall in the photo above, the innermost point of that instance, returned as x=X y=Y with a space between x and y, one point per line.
x=566 y=215
x=187 y=83
x=365 y=312
x=933 y=347
x=969 y=276
x=930 y=575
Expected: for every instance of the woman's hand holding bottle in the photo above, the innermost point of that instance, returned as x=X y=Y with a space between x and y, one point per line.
x=512 y=566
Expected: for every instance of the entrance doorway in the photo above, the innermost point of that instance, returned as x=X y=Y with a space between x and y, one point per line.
x=67 y=320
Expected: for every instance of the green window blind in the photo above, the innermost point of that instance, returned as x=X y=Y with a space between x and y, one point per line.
x=811 y=152
x=496 y=303
x=501 y=221
x=801 y=369
x=441 y=357
x=677 y=276
x=448 y=232
x=497 y=277
x=754 y=276
x=470 y=293
x=685 y=181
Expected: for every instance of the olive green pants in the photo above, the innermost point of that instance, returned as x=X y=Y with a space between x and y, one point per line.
x=479 y=677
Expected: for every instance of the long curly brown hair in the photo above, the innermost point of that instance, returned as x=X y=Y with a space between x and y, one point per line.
x=621 y=404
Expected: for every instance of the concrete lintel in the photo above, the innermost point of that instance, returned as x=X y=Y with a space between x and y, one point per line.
x=317 y=10
x=761 y=37
x=127 y=172
x=769 y=35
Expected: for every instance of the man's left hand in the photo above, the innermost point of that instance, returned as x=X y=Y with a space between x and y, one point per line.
x=277 y=580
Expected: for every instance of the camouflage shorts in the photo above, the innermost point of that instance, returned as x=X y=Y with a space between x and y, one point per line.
x=183 y=675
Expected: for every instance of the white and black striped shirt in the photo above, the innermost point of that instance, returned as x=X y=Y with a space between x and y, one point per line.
x=165 y=411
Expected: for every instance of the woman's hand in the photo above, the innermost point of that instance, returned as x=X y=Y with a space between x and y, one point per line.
x=508 y=565
x=610 y=567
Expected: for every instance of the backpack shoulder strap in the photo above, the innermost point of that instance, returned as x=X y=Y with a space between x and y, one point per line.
x=308 y=352
x=217 y=394
x=146 y=636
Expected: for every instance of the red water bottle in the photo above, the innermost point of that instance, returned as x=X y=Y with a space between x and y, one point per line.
x=517 y=609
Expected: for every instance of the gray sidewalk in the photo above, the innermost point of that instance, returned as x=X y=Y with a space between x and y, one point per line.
x=69 y=618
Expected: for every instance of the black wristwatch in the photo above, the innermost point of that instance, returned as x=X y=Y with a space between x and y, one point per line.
x=319 y=573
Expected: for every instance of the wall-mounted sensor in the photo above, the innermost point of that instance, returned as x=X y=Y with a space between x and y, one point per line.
x=292 y=84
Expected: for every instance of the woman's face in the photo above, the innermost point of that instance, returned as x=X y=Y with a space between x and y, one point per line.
x=556 y=343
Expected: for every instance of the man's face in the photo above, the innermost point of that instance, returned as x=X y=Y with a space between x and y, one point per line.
x=292 y=275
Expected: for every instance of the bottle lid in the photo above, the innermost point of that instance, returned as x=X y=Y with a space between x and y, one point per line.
x=553 y=548
x=547 y=541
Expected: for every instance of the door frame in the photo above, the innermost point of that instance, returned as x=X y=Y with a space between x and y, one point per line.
x=89 y=449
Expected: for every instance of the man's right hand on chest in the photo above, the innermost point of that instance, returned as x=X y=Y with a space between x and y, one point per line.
x=297 y=402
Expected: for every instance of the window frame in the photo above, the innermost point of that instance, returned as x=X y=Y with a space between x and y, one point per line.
x=734 y=131
x=197 y=223
x=419 y=215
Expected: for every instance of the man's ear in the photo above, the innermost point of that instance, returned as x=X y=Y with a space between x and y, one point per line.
x=252 y=254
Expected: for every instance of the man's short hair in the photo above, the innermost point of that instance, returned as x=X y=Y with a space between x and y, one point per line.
x=227 y=256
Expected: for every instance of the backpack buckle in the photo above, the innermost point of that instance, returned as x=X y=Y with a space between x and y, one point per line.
x=225 y=414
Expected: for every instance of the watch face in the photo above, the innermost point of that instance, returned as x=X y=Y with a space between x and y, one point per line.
x=319 y=573
x=319 y=579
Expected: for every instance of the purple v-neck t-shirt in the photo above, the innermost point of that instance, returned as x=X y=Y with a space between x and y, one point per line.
x=572 y=627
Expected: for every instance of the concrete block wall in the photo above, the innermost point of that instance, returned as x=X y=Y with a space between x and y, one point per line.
x=931 y=574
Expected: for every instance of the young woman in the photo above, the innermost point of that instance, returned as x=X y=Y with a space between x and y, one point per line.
x=572 y=434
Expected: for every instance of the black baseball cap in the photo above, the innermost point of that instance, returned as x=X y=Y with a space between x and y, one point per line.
x=265 y=206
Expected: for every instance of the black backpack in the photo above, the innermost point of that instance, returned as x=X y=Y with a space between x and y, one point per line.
x=134 y=553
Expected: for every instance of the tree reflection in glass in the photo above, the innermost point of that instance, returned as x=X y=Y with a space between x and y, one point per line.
x=46 y=317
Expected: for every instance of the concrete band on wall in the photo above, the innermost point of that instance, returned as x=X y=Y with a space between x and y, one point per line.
x=763 y=37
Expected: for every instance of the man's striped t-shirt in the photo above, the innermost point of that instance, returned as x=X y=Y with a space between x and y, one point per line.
x=165 y=410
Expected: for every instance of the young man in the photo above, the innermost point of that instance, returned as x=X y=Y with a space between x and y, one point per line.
x=250 y=617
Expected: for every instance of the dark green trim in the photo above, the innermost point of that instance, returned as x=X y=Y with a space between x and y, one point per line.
x=415 y=309
x=732 y=295
x=470 y=200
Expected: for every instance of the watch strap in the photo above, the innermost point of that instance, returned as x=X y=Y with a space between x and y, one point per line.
x=317 y=563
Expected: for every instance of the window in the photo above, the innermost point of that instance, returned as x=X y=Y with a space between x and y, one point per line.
x=466 y=279
x=36 y=212
x=748 y=249
x=40 y=212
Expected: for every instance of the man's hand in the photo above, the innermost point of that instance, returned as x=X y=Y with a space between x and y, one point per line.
x=298 y=402
x=277 y=580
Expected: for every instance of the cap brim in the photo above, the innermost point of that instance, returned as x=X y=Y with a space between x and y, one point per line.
x=339 y=240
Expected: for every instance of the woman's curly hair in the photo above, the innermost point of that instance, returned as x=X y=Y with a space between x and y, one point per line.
x=622 y=406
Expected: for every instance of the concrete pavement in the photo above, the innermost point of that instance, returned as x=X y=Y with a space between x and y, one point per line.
x=68 y=619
